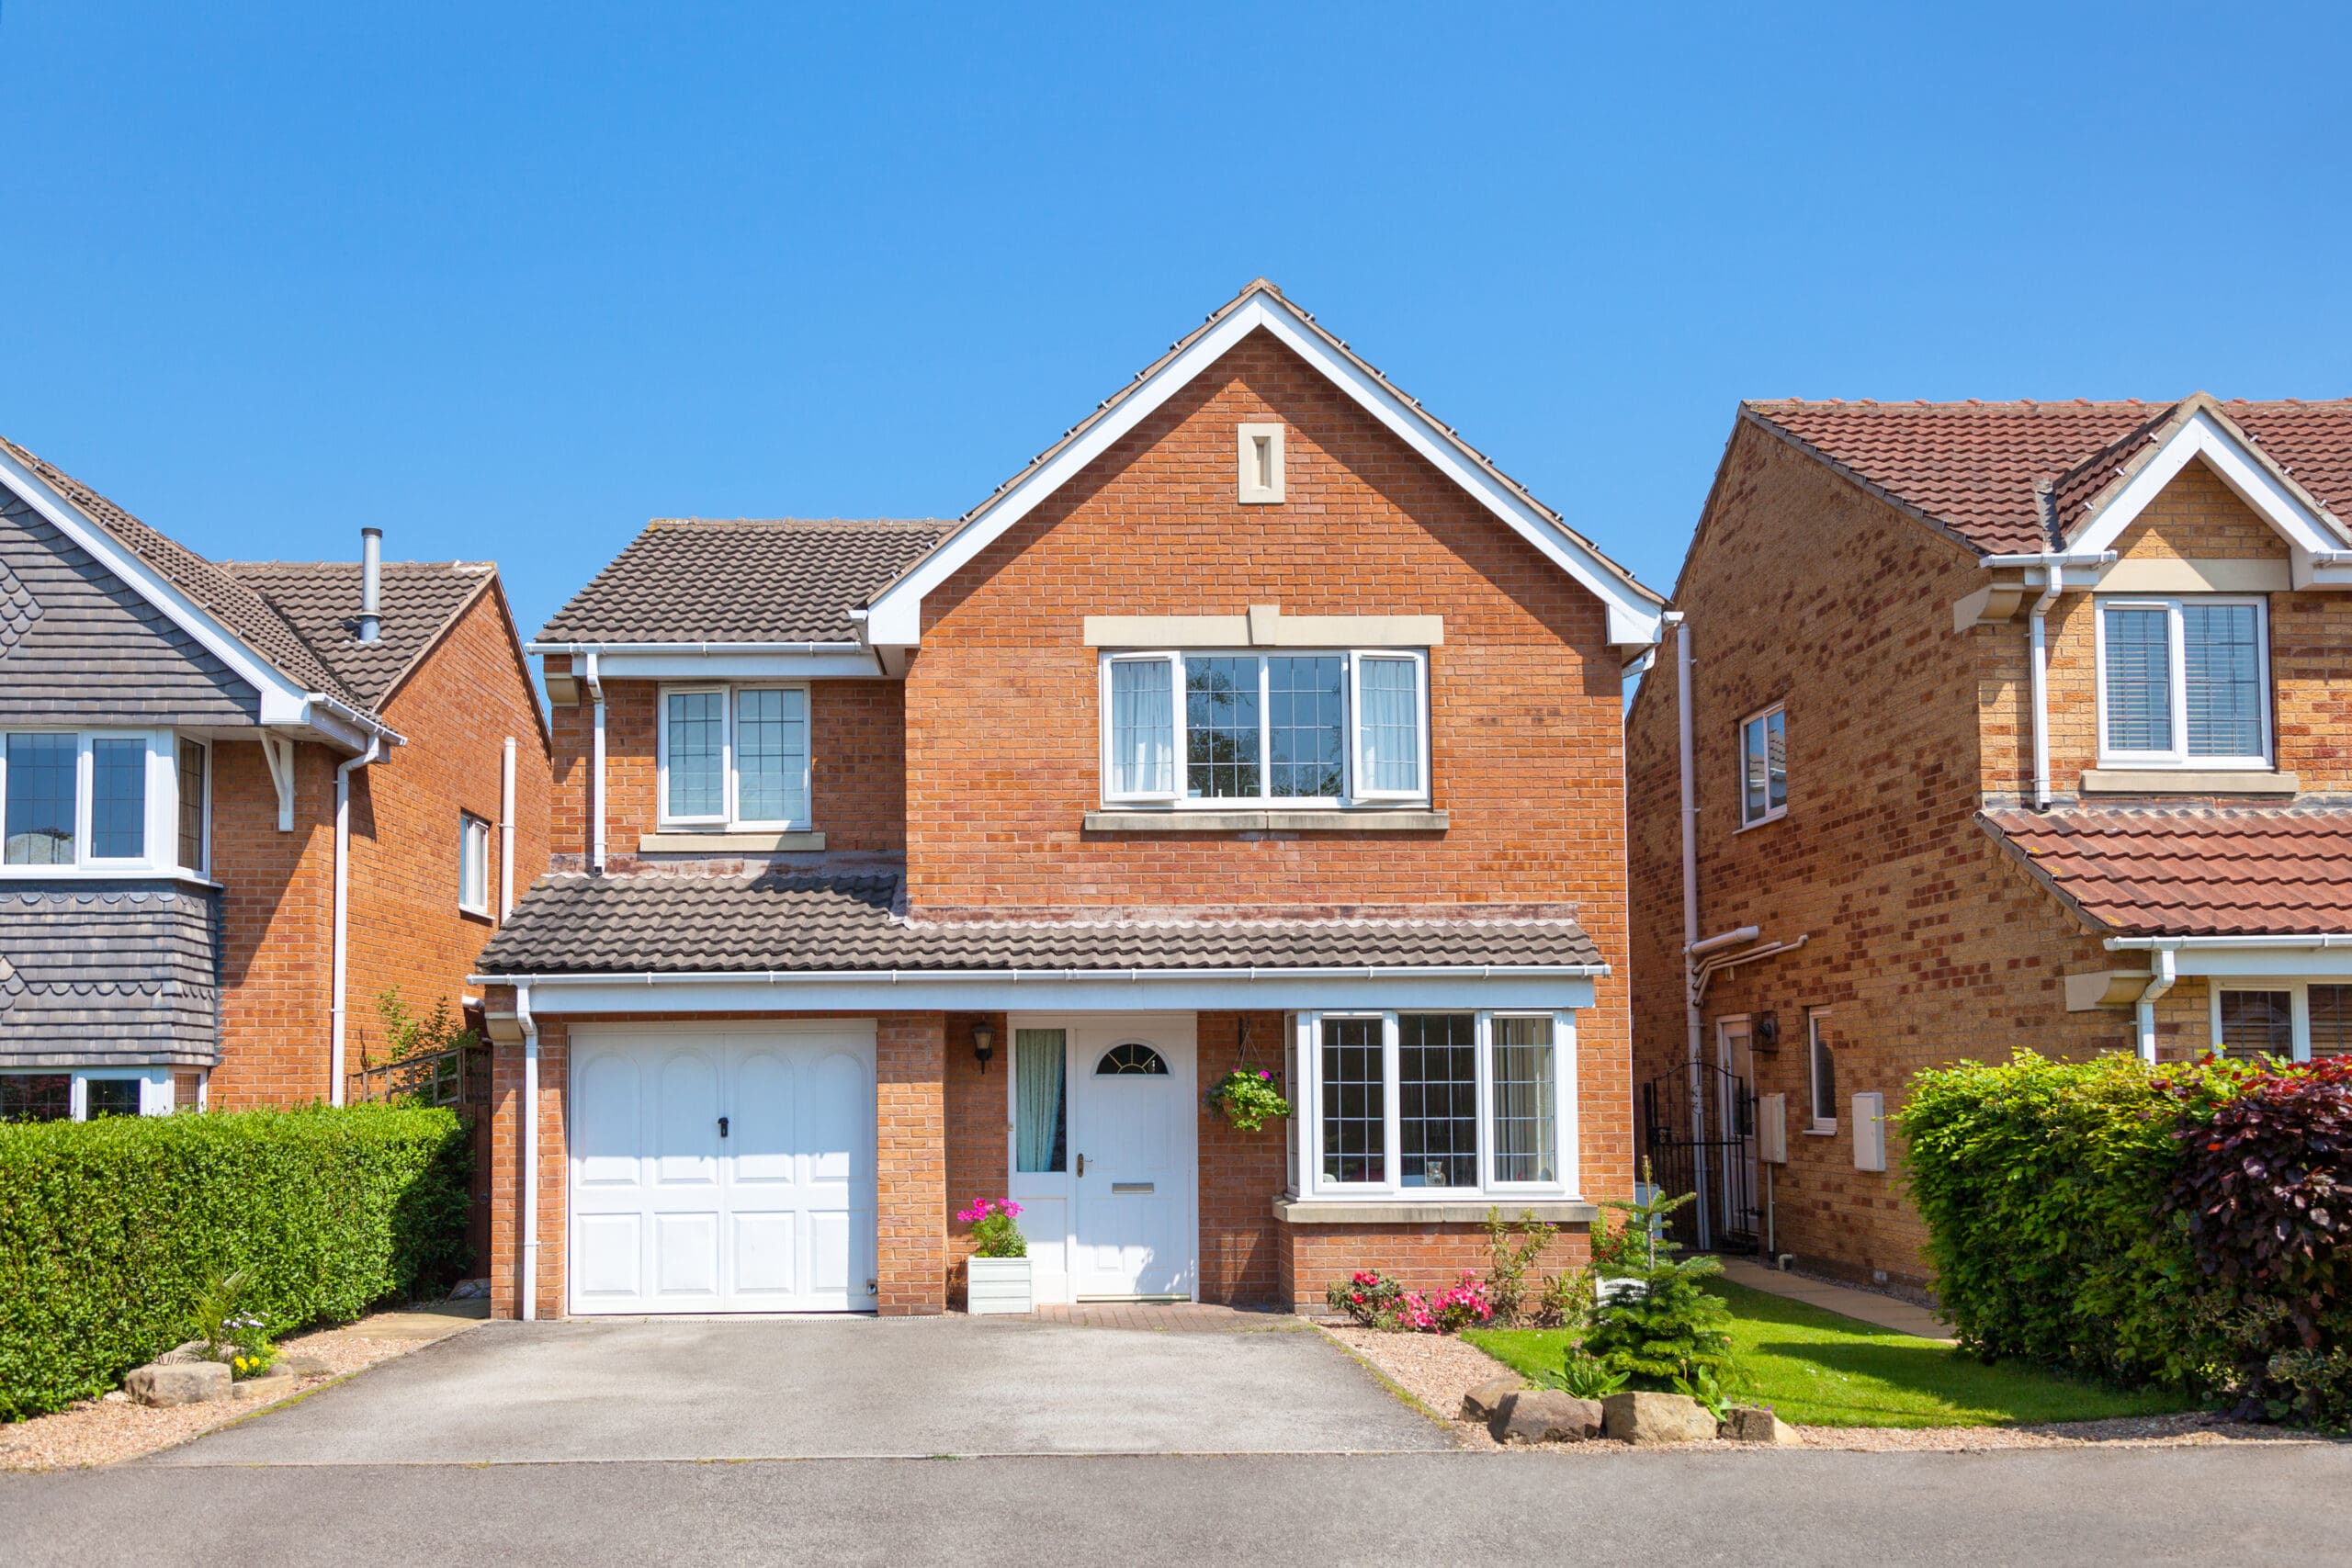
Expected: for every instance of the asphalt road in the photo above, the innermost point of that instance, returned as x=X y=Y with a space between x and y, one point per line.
x=2256 y=1505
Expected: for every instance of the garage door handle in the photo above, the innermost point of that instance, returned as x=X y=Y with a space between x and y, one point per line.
x=722 y=1126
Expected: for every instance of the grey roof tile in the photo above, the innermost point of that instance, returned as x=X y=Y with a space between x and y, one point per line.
x=320 y=600
x=96 y=974
x=572 y=924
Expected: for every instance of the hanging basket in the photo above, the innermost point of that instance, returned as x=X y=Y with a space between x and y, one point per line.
x=1247 y=1100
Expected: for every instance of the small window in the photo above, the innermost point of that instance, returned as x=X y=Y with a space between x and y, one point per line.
x=40 y=799
x=193 y=777
x=110 y=1097
x=1260 y=448
x=2184 y=682
x=1764 y=767
x=35 y=1097
x=1131 y=1060
x=1354 y=1113
x=1526 y=1136
x=119 y=797
x=2257 y=1023
x=735 y=757
x=474 y=864
x=2331 y=1020
x=1823 y=1070
x=1041 y=1100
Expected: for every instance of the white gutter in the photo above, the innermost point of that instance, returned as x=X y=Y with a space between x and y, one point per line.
x=2175 y=943
x=594 y=648
x=921 y=976
x=342 y=937
x=1686 y=732
x=528 y=1220
x=596 y=770
x=506 y=831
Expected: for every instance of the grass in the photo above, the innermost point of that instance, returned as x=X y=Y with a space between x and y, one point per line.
x=1818 y=1369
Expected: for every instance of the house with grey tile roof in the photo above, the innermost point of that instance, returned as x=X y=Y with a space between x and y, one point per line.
x=242 y=801
x=1260 y=731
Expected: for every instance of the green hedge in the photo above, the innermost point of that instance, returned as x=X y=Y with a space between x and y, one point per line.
x=109 y=1229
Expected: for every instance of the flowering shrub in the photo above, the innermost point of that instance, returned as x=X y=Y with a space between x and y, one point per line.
x=1248 y=1097
x=992 y=1229
x=1373 y=1301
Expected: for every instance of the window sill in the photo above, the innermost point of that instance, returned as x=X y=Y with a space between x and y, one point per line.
x=1819 y=1132
x=2187 y=780
x=715 y=843
x=1353 y=819
x=1451 y=1211
x=1764 y=822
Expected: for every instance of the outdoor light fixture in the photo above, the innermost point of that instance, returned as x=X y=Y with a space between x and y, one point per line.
x=983 y=1043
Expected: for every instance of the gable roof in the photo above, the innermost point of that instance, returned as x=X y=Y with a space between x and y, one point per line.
x=2017 y=478
x=894 y=609
x=321 y=600
x=2190 y=871
x=783 y=579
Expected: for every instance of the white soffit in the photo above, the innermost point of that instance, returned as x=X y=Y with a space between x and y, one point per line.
x=895 y=619
x=2311 y=535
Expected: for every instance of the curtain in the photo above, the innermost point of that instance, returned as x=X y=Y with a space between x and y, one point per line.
x=1037 y=1121
x=1523 y=1112
x=1143 y=720
x=1392 y=724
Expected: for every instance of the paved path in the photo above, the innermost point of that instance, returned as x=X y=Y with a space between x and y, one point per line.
x=615 y=1389
x=2259 y=1504
x=1868 y=1305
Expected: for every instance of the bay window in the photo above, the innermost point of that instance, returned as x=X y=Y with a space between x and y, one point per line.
x=1436 y=1103
x=2183 y=681
x=734 y=757
x=89 y=801
x=2293 y=1020
x=1306 y=728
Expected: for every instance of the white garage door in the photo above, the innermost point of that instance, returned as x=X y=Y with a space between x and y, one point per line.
x=722 y=1172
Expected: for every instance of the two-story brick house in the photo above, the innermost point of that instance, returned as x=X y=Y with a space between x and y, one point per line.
x=1260 y=723
x=2007 y=725
x=241 y=800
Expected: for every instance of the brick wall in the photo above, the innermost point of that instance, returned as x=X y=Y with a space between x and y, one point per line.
x=1241 y=1173
x=1420 y=1257
x=276 y=928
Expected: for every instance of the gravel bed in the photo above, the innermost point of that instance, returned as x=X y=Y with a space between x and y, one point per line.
x=1437 y=1371
x=115 y=1428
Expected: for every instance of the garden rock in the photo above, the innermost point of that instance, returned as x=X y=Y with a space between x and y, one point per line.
x=1483 y=1403
x=191 y=1351
x=268 y=1386
x=301 y=1366
x=1750 y=1424
x=1546 y=1415
x=1644 y=1417
x=177 y=1383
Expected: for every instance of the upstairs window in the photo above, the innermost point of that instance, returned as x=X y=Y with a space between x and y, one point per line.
x=195 y=769
x=83 y=800
x=1306 y=728
x=734 y=757
x=474 y=864
x=1764 y=766
x=2184 y=682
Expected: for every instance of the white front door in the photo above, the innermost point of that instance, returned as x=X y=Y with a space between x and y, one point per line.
x=723 y=1171
x=1132 y=1121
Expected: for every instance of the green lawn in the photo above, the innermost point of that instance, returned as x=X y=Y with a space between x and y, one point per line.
x=1820 y=1369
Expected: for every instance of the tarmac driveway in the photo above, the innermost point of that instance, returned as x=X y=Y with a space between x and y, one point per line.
x=792 y=1388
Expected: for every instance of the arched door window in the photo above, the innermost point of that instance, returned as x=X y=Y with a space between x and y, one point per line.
x=1132 y=1059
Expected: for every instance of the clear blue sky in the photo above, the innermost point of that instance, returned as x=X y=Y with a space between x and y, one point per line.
x=510 y=279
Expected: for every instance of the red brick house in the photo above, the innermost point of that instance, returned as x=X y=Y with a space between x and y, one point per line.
x=2009 y=725
x=243 y=799
x=1260 y=724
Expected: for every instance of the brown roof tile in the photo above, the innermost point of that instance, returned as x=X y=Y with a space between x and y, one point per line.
x=2191 y=871
x=320 y=600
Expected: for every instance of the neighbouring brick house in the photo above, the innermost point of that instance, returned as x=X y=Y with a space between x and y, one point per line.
x=240 y=805
x=2012 y=725
x=1260 y=723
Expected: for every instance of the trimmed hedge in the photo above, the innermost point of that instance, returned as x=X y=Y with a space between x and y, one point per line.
x=111 y=1229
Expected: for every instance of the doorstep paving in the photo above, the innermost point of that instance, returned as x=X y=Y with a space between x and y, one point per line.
x=676 y=1388
x=1883 y=1311
x=1169 y=1317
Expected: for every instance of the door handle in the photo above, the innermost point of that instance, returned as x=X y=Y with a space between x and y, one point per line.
x=722 y=1126
x=1081 y=1166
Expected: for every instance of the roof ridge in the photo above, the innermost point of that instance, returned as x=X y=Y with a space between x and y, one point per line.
x=783 y=523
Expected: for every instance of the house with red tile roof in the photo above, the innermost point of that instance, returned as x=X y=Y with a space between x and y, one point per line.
x=1262 y=727
x=1984 y=726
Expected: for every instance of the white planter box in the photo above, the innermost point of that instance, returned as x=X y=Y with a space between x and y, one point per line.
x=997 y=1284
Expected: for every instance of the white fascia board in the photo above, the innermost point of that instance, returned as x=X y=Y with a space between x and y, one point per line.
x=1079 y=991
x=896 y=618
x=721 y=663
x=2307 y=531
x=2249 y=957
x=282 y=701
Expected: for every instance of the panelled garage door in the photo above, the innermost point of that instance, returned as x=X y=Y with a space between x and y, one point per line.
x=722 y=1172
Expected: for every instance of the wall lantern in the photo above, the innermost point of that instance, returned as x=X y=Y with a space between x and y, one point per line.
x=983 y=1043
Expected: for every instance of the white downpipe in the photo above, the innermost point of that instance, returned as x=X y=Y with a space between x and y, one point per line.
x=1687 y=735
x=597 y=769
x=2167 y=970
x=529 y=1218
x=2056 y=583
x=342 y=937
x=506 y=832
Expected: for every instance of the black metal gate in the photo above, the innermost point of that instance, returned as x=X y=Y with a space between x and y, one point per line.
x=1699 y=1135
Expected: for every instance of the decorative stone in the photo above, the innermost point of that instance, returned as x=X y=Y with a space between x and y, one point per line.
x=267 y=1386
x=1546 y=1415
x=177 y=1383
x=191 y=1351
x=297 y=1364
x=1645 y=1418
x=1752 y=1424
x=1481 y=1404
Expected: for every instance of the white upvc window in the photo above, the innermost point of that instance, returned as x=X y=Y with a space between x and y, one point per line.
x=1210 y=728
x=2299 y=1020
x=1764 y=766
x=1821 y=1071
x=71 y=1094
x=734 y=756
x=2183 y=681
x=88 y=802
x=192 y=779
x=474 y=864
x=1436 y=1103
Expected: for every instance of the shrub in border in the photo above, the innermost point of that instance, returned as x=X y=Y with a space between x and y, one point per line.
x=111 y=1230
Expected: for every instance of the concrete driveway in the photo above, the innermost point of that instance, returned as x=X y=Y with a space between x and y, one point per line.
x=805 y=1388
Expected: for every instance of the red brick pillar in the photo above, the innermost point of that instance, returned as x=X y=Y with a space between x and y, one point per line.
x=911 y=1165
